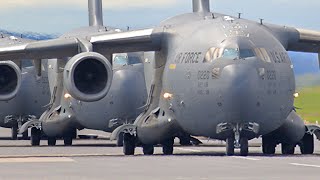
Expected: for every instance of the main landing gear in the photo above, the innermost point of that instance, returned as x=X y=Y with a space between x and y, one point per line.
x=36 y=135
x=129 y=145
x=306 y=145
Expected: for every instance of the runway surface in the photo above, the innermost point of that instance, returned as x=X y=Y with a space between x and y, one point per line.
x=101 y=159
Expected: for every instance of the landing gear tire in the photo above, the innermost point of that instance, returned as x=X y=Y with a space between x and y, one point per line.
x=25 y=135
x=129 y=144
x=287 y=149
x=230 y=146
x=120 y=140
x=268 y=146
x=14 y=133
x=35 y=137
x=148 y=149
x=68 y=137
x=67 y=140
x=52 y=141
x=244 y=147
x=167 y=146
x=307 y=144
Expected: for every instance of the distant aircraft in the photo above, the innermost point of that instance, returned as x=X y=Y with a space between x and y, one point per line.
x=214 y=75
x=26 y=95
x=79 y=86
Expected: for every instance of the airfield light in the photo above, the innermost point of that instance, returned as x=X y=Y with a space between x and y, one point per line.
x=296 y=95
x=67 y=96
x=167 y=95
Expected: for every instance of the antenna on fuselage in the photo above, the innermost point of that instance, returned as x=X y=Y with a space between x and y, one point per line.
x=95 y=13
x=201 y=6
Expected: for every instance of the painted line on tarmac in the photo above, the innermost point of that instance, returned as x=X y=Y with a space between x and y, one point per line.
x=305 y=165
x=246 y=158
x=190 y=150
x=56 y=155
x=36 y=160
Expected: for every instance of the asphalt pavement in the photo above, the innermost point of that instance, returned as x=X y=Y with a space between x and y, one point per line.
x=101 y=159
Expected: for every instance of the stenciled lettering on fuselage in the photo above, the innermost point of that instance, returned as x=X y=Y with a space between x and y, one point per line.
x=203 y=78
x=188 y=58
x=279 y=57
x=271 y=75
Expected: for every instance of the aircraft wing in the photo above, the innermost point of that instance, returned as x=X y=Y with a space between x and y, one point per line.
x=295 y=39
x=130 y=41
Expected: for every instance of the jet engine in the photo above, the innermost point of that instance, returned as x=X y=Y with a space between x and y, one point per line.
x=10 y=80
x=88 y=76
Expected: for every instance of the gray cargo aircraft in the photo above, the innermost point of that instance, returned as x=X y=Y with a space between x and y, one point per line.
x=20 y=101
x=79 y=86
x=214 y=75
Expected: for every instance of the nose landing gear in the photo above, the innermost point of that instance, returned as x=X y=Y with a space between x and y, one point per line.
x=238 y=139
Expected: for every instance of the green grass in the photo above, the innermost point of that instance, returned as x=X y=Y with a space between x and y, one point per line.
x=309 y=102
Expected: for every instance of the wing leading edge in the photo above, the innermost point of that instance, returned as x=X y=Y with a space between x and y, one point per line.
x=105 y=43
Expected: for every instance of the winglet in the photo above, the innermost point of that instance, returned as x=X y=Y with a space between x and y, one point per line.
x=95 y=13
x=201 y=6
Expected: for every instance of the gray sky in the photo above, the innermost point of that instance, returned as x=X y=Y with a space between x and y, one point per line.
x=58 y=16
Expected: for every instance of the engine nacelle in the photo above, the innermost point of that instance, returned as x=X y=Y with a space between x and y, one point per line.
x=10 y=80
x=88 y=76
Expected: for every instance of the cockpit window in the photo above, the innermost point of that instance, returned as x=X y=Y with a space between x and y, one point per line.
x=125 y=59
x=230 y=53
x=246 y=53
x=233 y=53
x=120 y=60
x=134 y=60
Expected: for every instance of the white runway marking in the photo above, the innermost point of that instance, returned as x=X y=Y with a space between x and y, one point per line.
x=190 y=150
x=35 y=160
x=305 y=165
x=246 y=158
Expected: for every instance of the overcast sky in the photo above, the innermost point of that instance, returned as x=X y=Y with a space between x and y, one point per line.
x=58 y=16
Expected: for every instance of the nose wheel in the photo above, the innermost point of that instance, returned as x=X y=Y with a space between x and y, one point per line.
x=244 y=146
x=230 y=146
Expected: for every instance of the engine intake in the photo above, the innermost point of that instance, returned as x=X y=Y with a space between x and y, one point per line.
x=88 y=76
x=10 y=80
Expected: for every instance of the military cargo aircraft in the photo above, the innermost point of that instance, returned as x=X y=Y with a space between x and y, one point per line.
x=27 y=94
x=214 y=75
x=79 y=86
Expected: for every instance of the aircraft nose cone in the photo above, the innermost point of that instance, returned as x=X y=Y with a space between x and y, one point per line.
x=241 y=87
